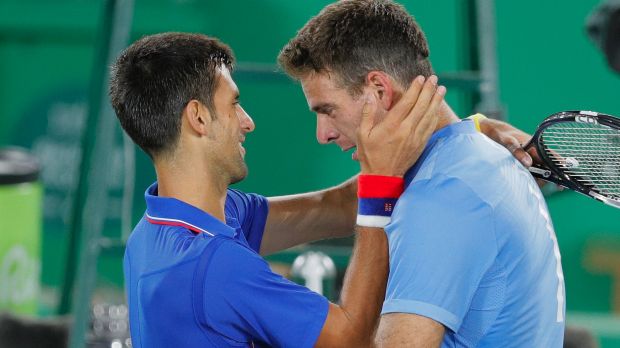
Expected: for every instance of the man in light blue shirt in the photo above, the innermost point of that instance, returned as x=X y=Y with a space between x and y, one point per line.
x=473 y=256
x=473 y=248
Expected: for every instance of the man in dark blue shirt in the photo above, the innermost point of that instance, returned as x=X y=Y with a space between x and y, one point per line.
x=193 y=273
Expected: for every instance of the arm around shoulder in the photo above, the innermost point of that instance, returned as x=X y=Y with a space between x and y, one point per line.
x=307 y=217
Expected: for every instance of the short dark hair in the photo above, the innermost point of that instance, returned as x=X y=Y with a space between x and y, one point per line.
x=353 y=37
x=153 y=80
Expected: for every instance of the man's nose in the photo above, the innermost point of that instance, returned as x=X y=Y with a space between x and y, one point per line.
x=325 y=132
x=245 y=121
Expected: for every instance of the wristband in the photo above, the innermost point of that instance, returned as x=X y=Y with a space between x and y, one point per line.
x=377 y=196
x=477 y=118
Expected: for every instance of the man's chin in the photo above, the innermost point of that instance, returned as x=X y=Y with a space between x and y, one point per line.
x=240 y=175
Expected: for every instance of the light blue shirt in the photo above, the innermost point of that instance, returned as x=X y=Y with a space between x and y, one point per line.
x=472 y=247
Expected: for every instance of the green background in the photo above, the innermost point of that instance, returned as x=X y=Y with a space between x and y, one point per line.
x=546 y=64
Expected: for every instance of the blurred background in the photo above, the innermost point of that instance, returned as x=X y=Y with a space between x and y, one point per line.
x=61 y=235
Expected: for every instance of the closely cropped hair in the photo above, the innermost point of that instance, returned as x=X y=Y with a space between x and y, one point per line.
x=153 y=80
x=353 y=37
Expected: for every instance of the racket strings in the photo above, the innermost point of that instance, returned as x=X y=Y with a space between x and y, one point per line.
x=588 y=153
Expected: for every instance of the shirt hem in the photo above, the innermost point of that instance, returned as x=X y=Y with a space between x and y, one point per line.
x=446 y=318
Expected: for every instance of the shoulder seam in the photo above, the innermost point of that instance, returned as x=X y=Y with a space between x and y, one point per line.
x=462 y=182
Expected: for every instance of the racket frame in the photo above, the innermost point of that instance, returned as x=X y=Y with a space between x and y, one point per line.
x=549 y=171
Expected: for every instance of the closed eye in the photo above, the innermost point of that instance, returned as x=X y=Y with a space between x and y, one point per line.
x=324 y=109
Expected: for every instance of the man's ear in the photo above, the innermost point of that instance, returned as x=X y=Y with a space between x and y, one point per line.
x=197 y=117
x=383 y=86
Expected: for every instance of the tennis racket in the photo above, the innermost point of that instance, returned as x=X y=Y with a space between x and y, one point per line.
x=580 y=150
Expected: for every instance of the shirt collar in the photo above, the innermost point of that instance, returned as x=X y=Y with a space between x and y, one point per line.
x=173 y=212
x=463 y=127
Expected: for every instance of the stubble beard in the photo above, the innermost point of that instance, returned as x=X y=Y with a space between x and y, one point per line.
x=239 y=172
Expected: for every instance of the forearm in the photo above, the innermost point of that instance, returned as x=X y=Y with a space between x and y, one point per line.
x=335 y=215
x=362 y=293
x=307 y=217
x=364 y=285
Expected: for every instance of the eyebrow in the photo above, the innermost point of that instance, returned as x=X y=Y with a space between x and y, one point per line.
x=321 y=108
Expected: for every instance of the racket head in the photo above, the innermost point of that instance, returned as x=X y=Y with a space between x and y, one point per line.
x=582 y=150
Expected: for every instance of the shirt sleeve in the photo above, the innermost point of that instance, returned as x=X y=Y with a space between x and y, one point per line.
x=251 y=211
x=245 y=300
x=442 y=242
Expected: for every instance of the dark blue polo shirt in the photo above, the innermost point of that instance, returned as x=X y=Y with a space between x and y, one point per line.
x=193 y=281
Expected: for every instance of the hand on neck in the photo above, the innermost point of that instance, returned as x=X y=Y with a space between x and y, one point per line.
x=445 y=113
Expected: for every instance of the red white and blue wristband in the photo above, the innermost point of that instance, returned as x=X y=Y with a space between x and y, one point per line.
x=377 y=196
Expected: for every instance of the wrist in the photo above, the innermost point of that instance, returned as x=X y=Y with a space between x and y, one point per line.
x=386 y=169
x=377 y=196
x=391 y=172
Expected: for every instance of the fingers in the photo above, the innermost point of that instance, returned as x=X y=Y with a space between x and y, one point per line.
x=424 y=129
x=368 y=115
x=423 y=104
x=427 y=93
x=533 y=153
x=394 y=144
x=424 y=119
x=408 y=101
x=424 y=111
x=415 y=111
x=527 y=152
x=528 y=148
x=420 y=117
x=523 y=157
x=438 y=97
x=512 y=139
x=513 y=145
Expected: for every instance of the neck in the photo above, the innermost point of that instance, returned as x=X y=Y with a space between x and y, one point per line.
x=193 y=182
x=446 y=116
